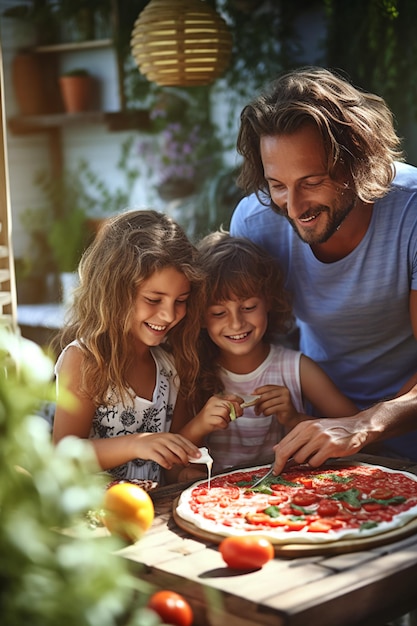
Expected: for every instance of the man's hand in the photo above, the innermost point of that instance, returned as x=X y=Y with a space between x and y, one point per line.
x=316 y=440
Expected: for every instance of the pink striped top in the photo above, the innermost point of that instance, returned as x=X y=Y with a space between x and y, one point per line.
x=250 y=438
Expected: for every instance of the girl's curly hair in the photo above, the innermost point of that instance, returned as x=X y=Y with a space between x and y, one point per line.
x=127 y=250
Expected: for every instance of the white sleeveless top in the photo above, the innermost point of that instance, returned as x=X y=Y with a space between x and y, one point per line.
x=249 y=439
x=139 y=416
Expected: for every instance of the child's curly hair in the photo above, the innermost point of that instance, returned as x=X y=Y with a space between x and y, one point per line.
x=236 y=268
x=128 y=249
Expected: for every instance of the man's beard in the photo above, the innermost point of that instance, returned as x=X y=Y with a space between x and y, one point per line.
x=336 y=218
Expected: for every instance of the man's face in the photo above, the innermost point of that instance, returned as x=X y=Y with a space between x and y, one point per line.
x=295 y=168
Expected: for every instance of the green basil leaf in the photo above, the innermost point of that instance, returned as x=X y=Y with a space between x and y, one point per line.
x=296 y=507
x=394 y=500
x=272 y=511
x=367 y=525
x=351 y=496
x=278 y=480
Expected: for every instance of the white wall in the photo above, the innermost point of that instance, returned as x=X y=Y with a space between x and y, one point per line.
x=28 y=154
x=101 y=148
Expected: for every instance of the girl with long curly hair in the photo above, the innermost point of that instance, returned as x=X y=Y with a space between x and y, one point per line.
x=129 y=358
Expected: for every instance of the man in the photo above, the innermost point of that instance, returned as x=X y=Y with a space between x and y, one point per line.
x=331 y=201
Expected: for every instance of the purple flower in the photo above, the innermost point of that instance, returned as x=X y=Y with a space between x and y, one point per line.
x=177 y=153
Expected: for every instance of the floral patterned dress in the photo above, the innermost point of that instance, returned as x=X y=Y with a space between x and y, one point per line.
x=139 y=416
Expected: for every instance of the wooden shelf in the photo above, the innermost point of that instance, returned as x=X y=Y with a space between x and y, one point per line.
x=114 y=120
x=73 y=46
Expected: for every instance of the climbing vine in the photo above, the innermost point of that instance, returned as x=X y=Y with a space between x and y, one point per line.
x=375 y=44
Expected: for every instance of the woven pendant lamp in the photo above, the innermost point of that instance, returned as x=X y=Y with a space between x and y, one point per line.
x=181 y=43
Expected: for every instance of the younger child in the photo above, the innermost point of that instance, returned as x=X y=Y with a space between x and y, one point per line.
x=134 y=307
x=245 y=308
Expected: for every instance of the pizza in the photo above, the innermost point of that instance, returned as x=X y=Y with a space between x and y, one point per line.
x=303 y=505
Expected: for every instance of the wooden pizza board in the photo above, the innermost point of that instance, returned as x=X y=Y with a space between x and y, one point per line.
x=291 y=550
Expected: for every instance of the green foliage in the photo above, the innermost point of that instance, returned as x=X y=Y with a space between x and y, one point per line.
x=59 y=230
x=78 y=71
x=375 y=44
x=106 y=201
x=68 y=201
x=68 y=238
x=184 y=145
x=264 y=42
x=212 y=207
x=49 y=574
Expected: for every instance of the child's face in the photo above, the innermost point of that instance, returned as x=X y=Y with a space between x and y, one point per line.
x=161 y=302
x=237 y=326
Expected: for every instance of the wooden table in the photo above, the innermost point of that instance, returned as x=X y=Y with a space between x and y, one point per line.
x=366 y=588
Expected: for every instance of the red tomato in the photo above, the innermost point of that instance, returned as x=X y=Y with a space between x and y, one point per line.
x=304 y=498
x=296 y=524
x=264 y=519
x=372 y=506
x=246 y=552
x=351 y=507
x=306 y=482
x=381 y=493
x=327 y=508
x=319 y=526
x=172 y=608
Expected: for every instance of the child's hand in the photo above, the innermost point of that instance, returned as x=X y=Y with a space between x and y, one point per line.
x=167 y=449
x=276 y=400
x=217 y=413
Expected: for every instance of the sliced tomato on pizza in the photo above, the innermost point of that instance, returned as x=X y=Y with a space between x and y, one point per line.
x=303 y=505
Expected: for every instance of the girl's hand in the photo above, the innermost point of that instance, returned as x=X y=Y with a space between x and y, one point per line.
x=276 y=400
x=167 y=449
x=217 y=413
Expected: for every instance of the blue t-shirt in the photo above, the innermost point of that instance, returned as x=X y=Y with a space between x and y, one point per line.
x=353 y=314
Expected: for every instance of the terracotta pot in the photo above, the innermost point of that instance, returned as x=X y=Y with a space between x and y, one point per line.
x=28 y=84
x=77 y=93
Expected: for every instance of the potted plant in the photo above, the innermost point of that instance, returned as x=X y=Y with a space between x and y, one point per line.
x=85 y=20
x=36 y=270
x=32 y=23
x=184 y=150
x=73 y=207
x=52 y=576
x=58 y=229
x=68 y=234
x=77 y=90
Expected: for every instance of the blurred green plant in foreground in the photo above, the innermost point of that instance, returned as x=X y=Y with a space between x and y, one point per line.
x=53 y=568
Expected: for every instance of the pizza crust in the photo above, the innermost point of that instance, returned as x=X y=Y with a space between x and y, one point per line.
x=280 y=537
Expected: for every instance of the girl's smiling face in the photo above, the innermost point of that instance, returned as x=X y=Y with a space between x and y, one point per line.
x=160 y=304
x=237 y=326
